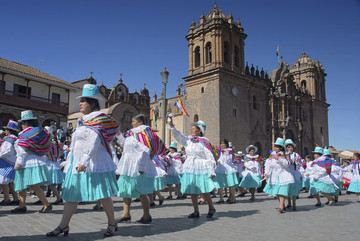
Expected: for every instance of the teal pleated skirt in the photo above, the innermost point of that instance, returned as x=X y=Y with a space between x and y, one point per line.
x=340 y=185
x=172 y=179
x=25 y=177
x=250 y=182
x=306 y=182
x=56 y=176
x=86 y=187
x=319 y=186
x=133 y=187
x=274 y=189
x=354 y=187
x=295 y=189
x=223 y=180
x=159 y=183
x=196 y=184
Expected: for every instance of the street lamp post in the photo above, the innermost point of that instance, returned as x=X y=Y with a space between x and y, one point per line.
x=164 y=77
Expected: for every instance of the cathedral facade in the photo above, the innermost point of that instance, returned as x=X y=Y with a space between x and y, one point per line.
x=244 y=104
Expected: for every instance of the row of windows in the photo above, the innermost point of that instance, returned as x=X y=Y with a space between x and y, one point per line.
x=208 y=54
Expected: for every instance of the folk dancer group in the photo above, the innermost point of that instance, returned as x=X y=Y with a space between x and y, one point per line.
x=29 y=159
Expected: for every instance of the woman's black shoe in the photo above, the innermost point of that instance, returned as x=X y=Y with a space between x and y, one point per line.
x=152 y=205
x=97 y=207
x=220 y=202
x=15 y=202
x=143 y=221
x=19 y=210
x=109 y=232
x=48 y=209
x=194 y=215
x=58 y=231
x=318 y=205
x=161 y=201
x=123 y=219
x=211 y=213
x=58 y=201
x=38 y=202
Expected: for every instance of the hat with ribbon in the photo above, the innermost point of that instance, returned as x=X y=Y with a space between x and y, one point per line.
x=279 y=142
x=290 y=142
x=201 y=125
x=27 y=115
x=318 y=150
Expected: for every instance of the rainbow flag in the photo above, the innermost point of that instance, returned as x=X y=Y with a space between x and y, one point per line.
x=154 y=114
x=178 y=104
x=277 y=50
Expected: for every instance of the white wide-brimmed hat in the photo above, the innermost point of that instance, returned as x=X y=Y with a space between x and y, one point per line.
x=239 y=153
x=90 y=91
x=251 y=147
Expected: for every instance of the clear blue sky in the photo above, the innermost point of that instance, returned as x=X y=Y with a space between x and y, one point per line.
x=68 y=39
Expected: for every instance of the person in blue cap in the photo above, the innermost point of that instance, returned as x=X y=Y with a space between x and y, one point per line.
x=7 y=162
x=277 y=174
x=199 y=167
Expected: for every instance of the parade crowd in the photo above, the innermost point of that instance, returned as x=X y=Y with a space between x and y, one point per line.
x=96 y=162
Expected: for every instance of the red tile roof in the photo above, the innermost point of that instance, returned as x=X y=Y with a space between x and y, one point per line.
x=11 y=65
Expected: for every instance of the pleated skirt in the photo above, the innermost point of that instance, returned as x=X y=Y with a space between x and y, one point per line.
x=223 y=180
x=196 y=183
x=133 y=187
x=86 y=187
x=250 y=182
x=354 y=187
x=7 y=172
x=159 y=183
x=25 y=177
x=172 y=179
x=319 y=186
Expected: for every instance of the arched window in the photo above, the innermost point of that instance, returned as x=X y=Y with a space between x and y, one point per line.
x=303 y=84
x=202 y=90
x=196 y=118
x=226 y=52
x=197 y=57
x=208 y=53
x=254 y=103
x=236 y=56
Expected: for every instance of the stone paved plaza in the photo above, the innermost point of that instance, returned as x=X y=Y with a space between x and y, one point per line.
x=245 y=220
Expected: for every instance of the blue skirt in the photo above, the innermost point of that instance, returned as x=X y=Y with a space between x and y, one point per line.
x=250 y=182
x=196 y=184
x=159 y=183
x=223 y=180
x=133 y=187
x=306 y=182
x=26 y=177
x=354 y=187
x=57 y=176
x=273 y=189
x=319 y=186
x=295 y=189
x=7 y=170
x=172 y=179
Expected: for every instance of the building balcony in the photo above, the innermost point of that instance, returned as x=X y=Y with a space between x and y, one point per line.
x=32 y=102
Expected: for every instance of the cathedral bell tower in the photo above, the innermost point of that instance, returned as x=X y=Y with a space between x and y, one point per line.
x=216 y=42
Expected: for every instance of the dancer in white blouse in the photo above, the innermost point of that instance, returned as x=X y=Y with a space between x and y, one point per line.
x=251 y=176
x=174 y=170
x=277 y=174
x=136 y=167
x=354 y=167
x=199 y=166
x=90 y=170
x=7 y=162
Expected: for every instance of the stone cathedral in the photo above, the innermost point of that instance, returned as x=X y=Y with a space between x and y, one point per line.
x=241 y=103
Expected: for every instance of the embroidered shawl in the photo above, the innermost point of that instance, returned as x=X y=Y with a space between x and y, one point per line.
x=55 y=151
x=325 y=163
x=10 y=139
x=160 y=162
x=215 y=149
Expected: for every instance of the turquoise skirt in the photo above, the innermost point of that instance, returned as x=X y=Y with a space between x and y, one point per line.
x=133 y=187
x=86 y=187
x=196 y=184
x=223 y=180
x=354 y=187
x=26 y=177
x=295 y=189
x=159 y=183
x=340 y=185
x=56 y=176
x=272 y=189
x=306 y=182
x=250 y=182
x=172 y=179
x=319 y=186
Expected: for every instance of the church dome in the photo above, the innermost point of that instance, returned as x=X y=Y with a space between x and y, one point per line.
x=304 y=59
x=216 y=13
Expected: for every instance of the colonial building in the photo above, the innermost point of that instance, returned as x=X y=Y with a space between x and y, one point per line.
x=117 y=102
x=25 y=88
x=242 y=103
